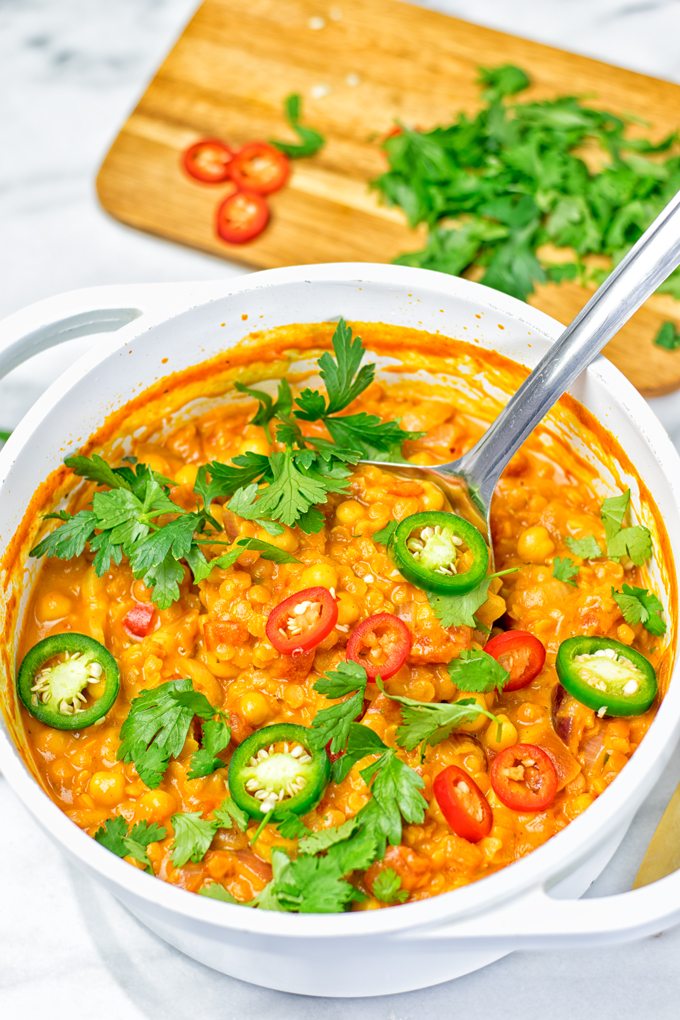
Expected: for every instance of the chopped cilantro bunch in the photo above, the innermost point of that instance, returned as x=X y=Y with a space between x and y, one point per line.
x=492 y=189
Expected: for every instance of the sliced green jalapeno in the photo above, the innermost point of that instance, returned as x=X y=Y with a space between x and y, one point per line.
x=60 y=681
x=605 y=675
x=276 y=770
x=440 y=552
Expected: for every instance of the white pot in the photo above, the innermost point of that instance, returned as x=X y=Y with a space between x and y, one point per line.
x=418 y=944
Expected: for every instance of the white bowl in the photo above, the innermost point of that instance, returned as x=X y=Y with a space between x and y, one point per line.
x=361 y=953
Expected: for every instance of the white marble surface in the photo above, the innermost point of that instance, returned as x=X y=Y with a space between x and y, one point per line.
x=69 y=72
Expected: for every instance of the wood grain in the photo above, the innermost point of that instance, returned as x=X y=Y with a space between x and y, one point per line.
x=377 y=61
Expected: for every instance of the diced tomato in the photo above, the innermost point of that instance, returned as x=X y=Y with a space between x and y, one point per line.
x=380 y=644
x=260 y=167
x=208 y=161
x=140 y=619
x=241 y=216
x=463 y=804
x=301 y=621
x=524 y=778
x=520 y=653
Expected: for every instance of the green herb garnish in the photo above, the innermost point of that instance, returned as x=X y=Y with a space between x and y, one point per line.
x=477 y=672
x=311 y=141
x=668 y=337
x=564 y=569
x=116 y=837
x=638 y=605
x=495 y=188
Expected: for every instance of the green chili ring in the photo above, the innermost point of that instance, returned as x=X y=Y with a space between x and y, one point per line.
x=54 y=676
x=605 y=675
x=427 y=546
x=268 y=779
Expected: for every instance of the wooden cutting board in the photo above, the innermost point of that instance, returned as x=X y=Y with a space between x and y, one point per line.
x=359 y=64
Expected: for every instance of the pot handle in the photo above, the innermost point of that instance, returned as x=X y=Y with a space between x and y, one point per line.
x=538 y=920
x=64 y=317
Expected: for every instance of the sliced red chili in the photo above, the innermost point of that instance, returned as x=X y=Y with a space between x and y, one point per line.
x=260 y=167
x=521 y=654
x=241 y=216
x=302 y=620
x=463 y=804
x=140 y=619
x=524 y=778
x=381 y=644
x=208 y=161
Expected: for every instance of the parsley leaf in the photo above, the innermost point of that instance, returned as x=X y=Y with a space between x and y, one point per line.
x=215 y=891
x=344 y=376
x=635 y=542
x=332 y=725
x=269 y=408
x=638 y=605
x=193 y=835
x=114 y=835
x=294 y=489
x=215 y=738
x=668 y=337
x=459 y=610
x=425 y=722
x=476 y=671
x=157 y=726
x=587 y=548
x=384 y=536
x=311 y=141
x=229 y=814
x=369 y=436
x=565 y=570
x=387 y=887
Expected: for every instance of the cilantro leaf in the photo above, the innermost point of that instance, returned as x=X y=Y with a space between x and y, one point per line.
x=193 y=835
x=229 y=814
x=292 y=827
x=215 y=738
x=293 y=491
x=612 y=513
x=588 y=548
x=345 y=377
x=70 y=538
x=668 y=337
x=266 y=550
x=215 y=891
x=564 y=569
x=332 y=725
x=638 y=605
x=425 y=722
x=502 y=81
x=634 y=543
x=387 y=887
x=157 y=726
x=396 y=798
x=242 y=503
x=459 y=610
x=269 y=408
x=476 y=671
x=369 y=436
x=361 y=742
x=317 y=842
x=114 y=835
x=384 y=536
x=311 y=141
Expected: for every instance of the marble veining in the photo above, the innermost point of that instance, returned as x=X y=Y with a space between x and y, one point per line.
x=69 y=73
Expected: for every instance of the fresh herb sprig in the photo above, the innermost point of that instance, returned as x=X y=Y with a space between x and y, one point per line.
x=129 y=520
x=123 y=842
x=495 y=188
x=638 y=605
x=157 y=726
x=290 y=485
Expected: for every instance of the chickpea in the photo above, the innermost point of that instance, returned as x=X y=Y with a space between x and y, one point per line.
x=480 y=721
x=107 y=788
x=535 y=544
x=254 y=707
x=319 y=575
x=187 y=475
x=433 y=497
x=625 y=634
x=52 y=605
x=156 y=805
x=348 y=609
x=287 y=540
x=500 y=735
x=349 y=512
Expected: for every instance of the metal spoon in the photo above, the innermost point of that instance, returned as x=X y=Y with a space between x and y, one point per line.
x=469 y=482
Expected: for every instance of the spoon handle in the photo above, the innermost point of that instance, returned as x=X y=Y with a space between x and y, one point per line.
x=647 y=264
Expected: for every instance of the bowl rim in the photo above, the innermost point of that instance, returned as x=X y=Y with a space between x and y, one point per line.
x=552 y=859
